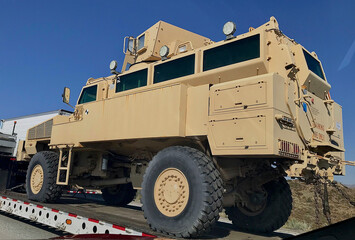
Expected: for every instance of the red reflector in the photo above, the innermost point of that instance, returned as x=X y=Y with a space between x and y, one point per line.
x=13 y=159
x=27 y=203
x=72 y=215
x=4 y=197
x=119 y=227
x=39 y=206
x=14 y=200
x=55 y=210
x=93 y=220
x=147 y=235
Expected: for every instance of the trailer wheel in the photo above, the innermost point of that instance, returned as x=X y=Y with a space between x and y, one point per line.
x=272 y=214
x=42 y=176
x=119 y=195
x=182 y=192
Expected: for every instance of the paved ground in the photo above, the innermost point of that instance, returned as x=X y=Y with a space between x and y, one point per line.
x=132 y=216
x=16 y=228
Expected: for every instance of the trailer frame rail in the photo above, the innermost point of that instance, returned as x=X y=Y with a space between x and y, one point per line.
x=63 y=221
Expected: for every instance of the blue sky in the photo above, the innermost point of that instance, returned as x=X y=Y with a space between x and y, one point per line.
x=46 y=45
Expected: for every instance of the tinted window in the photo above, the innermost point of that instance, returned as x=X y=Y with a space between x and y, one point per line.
x=234 y=52
x=174 y=69
x=313 y=64
x=132 y=80
x=88 y=94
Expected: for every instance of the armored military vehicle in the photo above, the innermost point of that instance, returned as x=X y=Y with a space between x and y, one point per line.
x=198 y=126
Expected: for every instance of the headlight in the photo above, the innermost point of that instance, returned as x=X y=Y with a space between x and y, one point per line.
x=164 y=51
x=229 y=28
x=113 y=65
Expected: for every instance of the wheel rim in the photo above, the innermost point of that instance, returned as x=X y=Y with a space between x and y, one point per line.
x=171 y=192
x=37 y=177
x=251 y=208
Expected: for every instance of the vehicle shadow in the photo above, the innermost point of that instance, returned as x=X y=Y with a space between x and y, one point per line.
x=220 y=230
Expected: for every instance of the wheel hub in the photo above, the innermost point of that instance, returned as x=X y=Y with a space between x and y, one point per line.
x=254 y=204
x=37 y=177
x=171 y=192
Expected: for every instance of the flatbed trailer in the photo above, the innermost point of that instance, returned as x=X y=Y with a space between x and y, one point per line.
x=95 y=214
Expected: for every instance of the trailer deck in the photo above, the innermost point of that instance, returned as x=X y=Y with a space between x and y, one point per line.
x=93 y=211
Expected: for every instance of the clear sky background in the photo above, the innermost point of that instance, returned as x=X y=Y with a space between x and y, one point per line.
x=46 y=45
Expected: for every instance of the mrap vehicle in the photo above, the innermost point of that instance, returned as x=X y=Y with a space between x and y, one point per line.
x=198 y=126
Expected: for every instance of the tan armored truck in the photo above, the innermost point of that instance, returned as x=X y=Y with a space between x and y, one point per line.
x=198 y=126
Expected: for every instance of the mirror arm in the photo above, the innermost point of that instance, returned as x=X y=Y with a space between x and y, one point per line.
x=67 y=103
x=70 y=105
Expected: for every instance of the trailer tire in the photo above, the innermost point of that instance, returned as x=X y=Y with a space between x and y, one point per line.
x=119 y=195
x=42 y=170
x=187 y=177
x=275 y=214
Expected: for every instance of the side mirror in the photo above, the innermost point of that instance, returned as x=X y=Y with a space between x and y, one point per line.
x=66 y=95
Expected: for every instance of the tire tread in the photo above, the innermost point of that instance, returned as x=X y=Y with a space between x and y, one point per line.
x=212 y=204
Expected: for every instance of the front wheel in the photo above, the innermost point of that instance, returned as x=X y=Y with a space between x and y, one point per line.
x=182 y=192
x=270 y=214
x=41 y=177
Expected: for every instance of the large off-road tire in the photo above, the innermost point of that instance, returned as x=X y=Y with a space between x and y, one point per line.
x=274 y=215
x=182 y=192
x=119 y=195
x=42 y=176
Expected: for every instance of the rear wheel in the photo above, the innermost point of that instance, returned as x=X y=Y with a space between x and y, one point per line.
x=181 y=192
x=42 y=176
x=268 y=209
x=119 y=195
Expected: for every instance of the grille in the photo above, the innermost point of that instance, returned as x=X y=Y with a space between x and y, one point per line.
x=43 y=130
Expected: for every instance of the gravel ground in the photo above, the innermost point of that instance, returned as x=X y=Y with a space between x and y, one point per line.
x=15 y=228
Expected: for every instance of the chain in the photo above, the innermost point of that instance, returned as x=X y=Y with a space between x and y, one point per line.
x=326 y=208
x=316 y=180
x=316 y=202
x=344 y=194
x=318 y=194
x=316 y=205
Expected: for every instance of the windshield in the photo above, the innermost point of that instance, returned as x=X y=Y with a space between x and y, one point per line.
x=88 y=95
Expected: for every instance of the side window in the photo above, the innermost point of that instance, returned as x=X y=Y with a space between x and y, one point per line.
x=234 y=52
x=132 y=80
x=88 y=95
x=313 y=65
x=141 y=42
x=174 y=69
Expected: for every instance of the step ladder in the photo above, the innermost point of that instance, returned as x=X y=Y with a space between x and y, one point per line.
x=65 y=160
